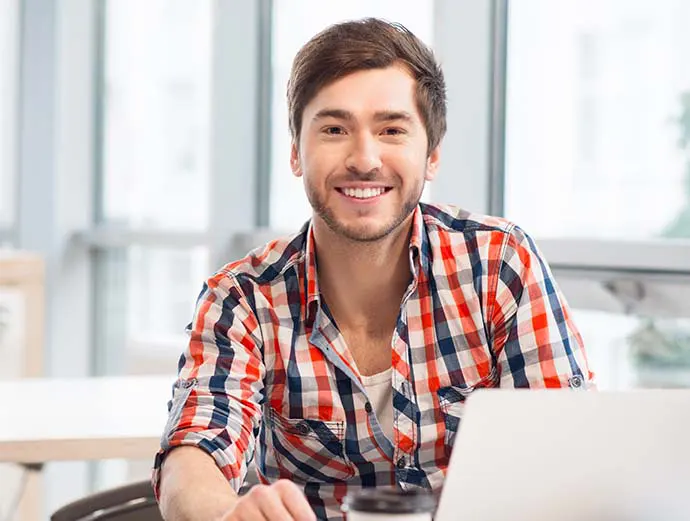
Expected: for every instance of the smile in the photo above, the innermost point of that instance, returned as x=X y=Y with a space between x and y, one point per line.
x=363 y=193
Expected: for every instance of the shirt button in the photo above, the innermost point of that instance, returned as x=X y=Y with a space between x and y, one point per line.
x=303 y=428
x=575 y=382
x=367 y=407
x=401 y=463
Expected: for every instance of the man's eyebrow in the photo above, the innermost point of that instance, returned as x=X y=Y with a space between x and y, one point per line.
x=380 y=116
x=392 y=115
x=335 y=114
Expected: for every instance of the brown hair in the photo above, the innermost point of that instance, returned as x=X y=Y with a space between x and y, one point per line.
x=369 y=43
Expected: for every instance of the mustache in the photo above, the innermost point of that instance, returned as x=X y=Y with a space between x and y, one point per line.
x=352 y=176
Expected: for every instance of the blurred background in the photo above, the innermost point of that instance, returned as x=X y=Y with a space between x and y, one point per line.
x=144 y=143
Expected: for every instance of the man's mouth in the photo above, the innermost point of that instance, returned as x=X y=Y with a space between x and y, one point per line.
x=364 y=193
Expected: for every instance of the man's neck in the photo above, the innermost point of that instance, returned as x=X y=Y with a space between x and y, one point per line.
x=363 y=282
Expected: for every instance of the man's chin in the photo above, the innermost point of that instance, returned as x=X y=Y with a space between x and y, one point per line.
x=364 y=229
x=365 y=233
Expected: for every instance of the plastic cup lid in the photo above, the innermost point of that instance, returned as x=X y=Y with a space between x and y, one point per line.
x=389 y=501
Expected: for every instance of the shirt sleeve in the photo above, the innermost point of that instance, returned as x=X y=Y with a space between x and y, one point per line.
x=535 y=341
x=216 y=402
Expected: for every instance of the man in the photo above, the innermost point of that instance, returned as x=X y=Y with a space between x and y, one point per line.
x=344 y=354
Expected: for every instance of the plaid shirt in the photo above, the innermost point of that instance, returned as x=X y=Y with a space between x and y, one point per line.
x=266 y=362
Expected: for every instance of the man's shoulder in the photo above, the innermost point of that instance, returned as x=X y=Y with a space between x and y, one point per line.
x=473 y=233
x=456 y=221
x=268 y=263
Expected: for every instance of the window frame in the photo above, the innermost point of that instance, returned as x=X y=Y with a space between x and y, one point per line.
x=475 y=36
x=237 y=38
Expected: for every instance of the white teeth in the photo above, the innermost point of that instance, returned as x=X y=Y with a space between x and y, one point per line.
x=365 y=193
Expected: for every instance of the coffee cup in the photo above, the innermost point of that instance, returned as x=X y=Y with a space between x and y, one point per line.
x=377 y=504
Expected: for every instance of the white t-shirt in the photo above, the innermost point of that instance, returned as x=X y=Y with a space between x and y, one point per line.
x=380 y=391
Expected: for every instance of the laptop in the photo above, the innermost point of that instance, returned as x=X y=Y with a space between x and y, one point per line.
x=562 y=455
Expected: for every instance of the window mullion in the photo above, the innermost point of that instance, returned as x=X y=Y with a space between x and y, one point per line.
x=235 y=97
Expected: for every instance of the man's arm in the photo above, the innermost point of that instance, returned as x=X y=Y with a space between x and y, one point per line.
x=214 y=417
x=192 y=487
x=216 y=403
x=535 y=340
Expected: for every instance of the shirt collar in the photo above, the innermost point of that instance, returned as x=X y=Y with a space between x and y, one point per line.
x=417 y=240
x=310 y=280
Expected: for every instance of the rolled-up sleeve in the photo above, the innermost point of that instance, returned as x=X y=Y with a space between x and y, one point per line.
x=535 y=340
x=216 y=402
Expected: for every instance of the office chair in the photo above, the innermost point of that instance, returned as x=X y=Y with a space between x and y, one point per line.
x=133 y=502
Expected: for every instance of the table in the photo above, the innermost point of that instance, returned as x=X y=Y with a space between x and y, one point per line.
x=95 y=418
x=55 y=419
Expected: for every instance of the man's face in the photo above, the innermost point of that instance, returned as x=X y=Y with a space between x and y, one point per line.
x=363 y=153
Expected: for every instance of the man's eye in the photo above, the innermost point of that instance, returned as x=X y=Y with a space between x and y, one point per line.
x=333 y=131
x=393 y=131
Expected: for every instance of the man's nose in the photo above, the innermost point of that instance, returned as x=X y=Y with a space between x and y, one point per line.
x=364 y=155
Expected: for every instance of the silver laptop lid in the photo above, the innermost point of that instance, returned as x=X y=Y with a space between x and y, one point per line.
x=560 y=455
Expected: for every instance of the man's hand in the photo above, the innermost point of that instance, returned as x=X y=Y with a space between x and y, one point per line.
x=281 y=501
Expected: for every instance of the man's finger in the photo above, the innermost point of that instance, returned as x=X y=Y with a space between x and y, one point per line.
x=271 y=505
x=245 y=511
x=294 y=500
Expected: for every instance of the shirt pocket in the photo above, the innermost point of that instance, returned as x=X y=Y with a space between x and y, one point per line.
x=309 y=450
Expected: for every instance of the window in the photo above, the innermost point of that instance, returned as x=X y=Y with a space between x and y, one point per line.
x=156 y=114
x=598 y=170
x=598 y=118
x=636 y=351
x=294 y=23
x=146 y=297
x=9 y=67
x=154 y=177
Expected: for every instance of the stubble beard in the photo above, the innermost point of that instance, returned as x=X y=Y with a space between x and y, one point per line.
x=365 y=234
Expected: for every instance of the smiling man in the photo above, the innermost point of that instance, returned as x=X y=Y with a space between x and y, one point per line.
x=344 y=354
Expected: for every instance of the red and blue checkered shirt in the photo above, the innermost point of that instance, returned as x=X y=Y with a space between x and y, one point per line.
x=267 y=369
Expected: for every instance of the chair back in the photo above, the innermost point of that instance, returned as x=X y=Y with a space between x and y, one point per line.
x=133 y=502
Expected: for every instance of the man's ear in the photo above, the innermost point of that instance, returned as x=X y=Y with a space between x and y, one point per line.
x=432 y=163
x=295 y=163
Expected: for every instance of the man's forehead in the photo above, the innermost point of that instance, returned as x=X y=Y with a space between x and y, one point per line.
x=381 y=94
x=393 y=78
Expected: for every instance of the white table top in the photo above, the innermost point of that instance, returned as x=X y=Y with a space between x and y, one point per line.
x=51 y=419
